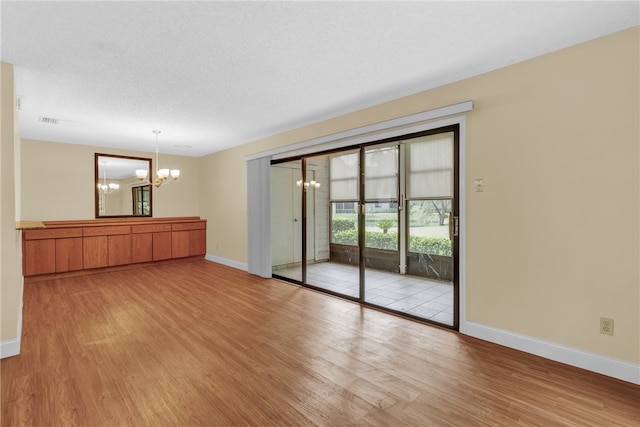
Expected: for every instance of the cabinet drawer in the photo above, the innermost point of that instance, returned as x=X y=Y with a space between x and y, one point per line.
x=150 y=228
x=59 y=233
x=106 y=231
x=185 y=226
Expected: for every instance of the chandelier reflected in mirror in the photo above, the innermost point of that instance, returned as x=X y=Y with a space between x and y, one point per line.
x=103 y=186
x=162 y=175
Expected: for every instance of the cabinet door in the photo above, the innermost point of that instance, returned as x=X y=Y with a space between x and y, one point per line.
x=39 y=257
x=197 y=242
x=179 y=244
x=94 y=252
x=161 y=246
x=119 y=249
x=68 y=254
x=141 y=247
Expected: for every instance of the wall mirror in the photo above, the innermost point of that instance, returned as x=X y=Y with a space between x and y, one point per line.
x=121 y=186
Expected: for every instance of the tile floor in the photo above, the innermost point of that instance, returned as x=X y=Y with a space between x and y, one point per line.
x=413 y=295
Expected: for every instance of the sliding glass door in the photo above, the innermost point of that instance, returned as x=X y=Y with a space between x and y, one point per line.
x=376 y=223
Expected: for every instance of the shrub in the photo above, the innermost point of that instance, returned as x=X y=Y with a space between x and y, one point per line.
x=374 y=239
x=385 y=225
x=346 y=237
x=429 y=245
x=389 y=241
x=342 y=224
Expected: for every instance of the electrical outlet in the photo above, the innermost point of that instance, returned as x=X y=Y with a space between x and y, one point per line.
x=606 y=326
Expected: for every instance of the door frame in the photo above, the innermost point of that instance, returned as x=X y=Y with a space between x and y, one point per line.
x=460 y=120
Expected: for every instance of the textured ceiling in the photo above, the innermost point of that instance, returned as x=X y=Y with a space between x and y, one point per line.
x=212 y=75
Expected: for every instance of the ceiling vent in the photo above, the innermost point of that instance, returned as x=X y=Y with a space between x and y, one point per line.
x=49 y=120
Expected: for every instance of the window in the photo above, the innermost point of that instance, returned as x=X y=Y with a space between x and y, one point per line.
x=141 y=198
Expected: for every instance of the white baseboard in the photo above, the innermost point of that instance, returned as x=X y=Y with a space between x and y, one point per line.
x=228 y=262
x=10 y=347
x=609 y=366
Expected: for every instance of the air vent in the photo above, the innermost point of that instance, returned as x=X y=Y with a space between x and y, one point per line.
x=49 y=120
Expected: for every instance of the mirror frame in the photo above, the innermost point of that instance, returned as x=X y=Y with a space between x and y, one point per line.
x=97 y=182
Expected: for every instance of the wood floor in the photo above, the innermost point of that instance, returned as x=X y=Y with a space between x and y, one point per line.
x=202 y=344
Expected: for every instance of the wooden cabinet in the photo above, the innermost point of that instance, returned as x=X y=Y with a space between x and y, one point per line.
x=151 y=242
x=188 y=239
x=197 y=242
x=51 y=251
x=162 y=245
x=69 y=246
x=106 y=246
x=69 y=254
x=39 y=257
x=95 y=252
x=119 y=249
x=180 y=244
x=141 y=247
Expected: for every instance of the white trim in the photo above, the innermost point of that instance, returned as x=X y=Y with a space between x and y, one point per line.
x=11 y=347
x=462 y=218
x=337 y=140
x=609 y=366
x=226 y=261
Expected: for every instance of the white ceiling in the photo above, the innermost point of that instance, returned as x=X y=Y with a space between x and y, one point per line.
x=212 y=75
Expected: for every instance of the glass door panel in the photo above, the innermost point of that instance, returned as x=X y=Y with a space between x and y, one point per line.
x=430 y=203
x=286 y=220
x=430 y=258
x=332 y=224
x=382 y=225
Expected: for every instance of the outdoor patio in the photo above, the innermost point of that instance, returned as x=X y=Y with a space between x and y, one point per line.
x=428 y=299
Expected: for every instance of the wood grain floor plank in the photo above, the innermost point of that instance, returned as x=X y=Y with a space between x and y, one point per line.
x=200 y=344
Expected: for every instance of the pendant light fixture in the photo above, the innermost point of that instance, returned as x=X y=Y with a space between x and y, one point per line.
x=104 y=187
x=162 y=175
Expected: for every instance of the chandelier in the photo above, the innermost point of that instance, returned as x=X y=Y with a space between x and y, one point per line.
x=312 y=184
x=162 y=175
x=104 y=187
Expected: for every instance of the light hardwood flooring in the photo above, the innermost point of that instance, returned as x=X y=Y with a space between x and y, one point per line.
x=202 y=344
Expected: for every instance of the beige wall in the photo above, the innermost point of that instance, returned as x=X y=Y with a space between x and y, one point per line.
x=58 y=182
x=10 y=247
x=553 y=241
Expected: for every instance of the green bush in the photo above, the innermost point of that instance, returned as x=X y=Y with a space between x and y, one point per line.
x=389 y=241
x=342 y=224
x=374 y=239
x=427 y=245
x=345 y=237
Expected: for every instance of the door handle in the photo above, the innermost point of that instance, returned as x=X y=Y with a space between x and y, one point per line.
x=454 y=226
